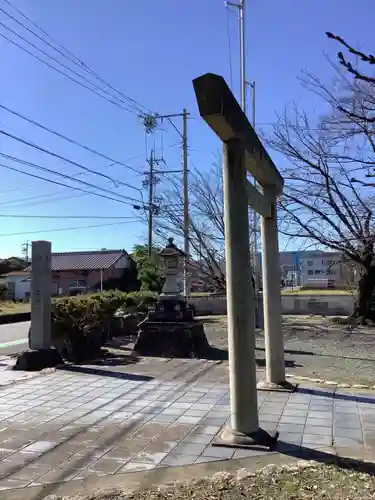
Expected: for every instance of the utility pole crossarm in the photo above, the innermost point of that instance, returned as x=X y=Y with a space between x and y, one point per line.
x=221 y=111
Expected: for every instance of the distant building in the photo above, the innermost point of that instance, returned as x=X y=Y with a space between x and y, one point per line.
x=73 y=272
x=18 y=285
x=315 y=268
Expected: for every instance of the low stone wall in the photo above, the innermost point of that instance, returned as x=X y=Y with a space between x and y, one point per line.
x=328 y=305
x=209 y=305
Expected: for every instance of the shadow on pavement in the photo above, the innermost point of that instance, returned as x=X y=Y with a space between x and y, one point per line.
x=301 y=352
x=117 y=437
x=105 y=373
x=325 y=457
x=115 y=359
x=217 y=354
x=343 y=397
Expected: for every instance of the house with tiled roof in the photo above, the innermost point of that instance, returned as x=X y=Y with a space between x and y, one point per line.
x=79 y=272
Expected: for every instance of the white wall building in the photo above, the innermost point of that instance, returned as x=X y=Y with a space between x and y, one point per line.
x=320 y=268
x=18 y=285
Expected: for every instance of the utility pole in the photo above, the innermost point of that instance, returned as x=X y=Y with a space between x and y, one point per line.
x=150 y=124
x=186 y=199
x=25 y=251
x=242 y=54
x=241 y=18
x=150 y=201
x=255 y=215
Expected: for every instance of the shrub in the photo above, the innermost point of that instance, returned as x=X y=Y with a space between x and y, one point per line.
x=143 y=300
x=77 y=327
x=81 y=324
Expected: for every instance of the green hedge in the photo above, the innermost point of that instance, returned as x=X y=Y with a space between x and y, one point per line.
x=81 y=324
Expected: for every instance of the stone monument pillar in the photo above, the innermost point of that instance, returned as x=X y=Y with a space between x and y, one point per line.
x=41 y=287
x=41 y=354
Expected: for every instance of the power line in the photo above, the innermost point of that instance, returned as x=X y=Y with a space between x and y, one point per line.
x=62 y=184
x=63 y=73
x=62 y=136
x=69 y=55
x=63 y=158
x=24 y=216
x=98 y=87
x=30 y=199
x=69 y=177
x=68 y=228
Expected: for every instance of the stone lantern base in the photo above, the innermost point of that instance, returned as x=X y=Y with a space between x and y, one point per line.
x=170 y=331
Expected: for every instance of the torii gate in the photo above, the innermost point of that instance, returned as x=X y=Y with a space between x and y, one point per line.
x=243 y=152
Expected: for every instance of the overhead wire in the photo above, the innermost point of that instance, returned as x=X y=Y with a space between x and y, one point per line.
x=63 y=158
x=63 y=65
x=69 y=177
x=27 y=216
x=33 y=200
x=62 y=72
x=137 y=107
x=54 y=230
x=72 y=141
x=28 y=198
x=75 y=188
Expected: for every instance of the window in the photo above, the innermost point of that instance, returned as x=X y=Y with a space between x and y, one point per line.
x=310 y=271
x=318 y=271
x=329 y=272
x=309 y=262
x=77 y=284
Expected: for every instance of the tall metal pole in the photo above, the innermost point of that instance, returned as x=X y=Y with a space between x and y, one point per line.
x=150 y=202
x=186 y=199
x=242 y=54
x=241 y=17
x=255 y=215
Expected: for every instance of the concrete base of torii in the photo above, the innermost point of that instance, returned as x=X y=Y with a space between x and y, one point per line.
x=258 y=440
x=263 y=385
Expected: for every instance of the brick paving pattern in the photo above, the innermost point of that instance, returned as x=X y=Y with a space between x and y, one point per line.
x=70 y=425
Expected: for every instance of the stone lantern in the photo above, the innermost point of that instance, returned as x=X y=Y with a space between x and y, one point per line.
x=170 y=330
x=171 y=265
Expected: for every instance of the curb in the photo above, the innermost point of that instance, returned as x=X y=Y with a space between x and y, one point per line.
x=329 y=382
x=6 y=319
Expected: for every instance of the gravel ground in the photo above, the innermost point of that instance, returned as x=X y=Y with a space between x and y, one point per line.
x=302 y=481
x=315 y=347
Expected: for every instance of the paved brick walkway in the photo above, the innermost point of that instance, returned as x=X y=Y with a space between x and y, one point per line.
x=158 y=413
x=8 y=377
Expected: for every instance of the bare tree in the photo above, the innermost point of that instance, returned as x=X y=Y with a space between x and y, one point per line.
x=206 y=229
x=367 y=113
x=326 y=201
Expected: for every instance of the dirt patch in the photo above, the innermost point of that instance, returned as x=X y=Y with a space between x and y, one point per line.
x=314 y=347
x=302 y=481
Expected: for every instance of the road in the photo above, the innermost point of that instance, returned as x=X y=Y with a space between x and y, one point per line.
x=14 y=337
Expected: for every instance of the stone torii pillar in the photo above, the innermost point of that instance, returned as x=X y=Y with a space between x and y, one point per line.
x=243 y=152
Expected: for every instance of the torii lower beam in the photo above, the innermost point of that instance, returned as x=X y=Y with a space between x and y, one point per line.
x=242 y=152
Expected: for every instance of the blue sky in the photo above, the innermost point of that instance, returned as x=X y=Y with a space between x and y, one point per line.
x=151 y=51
